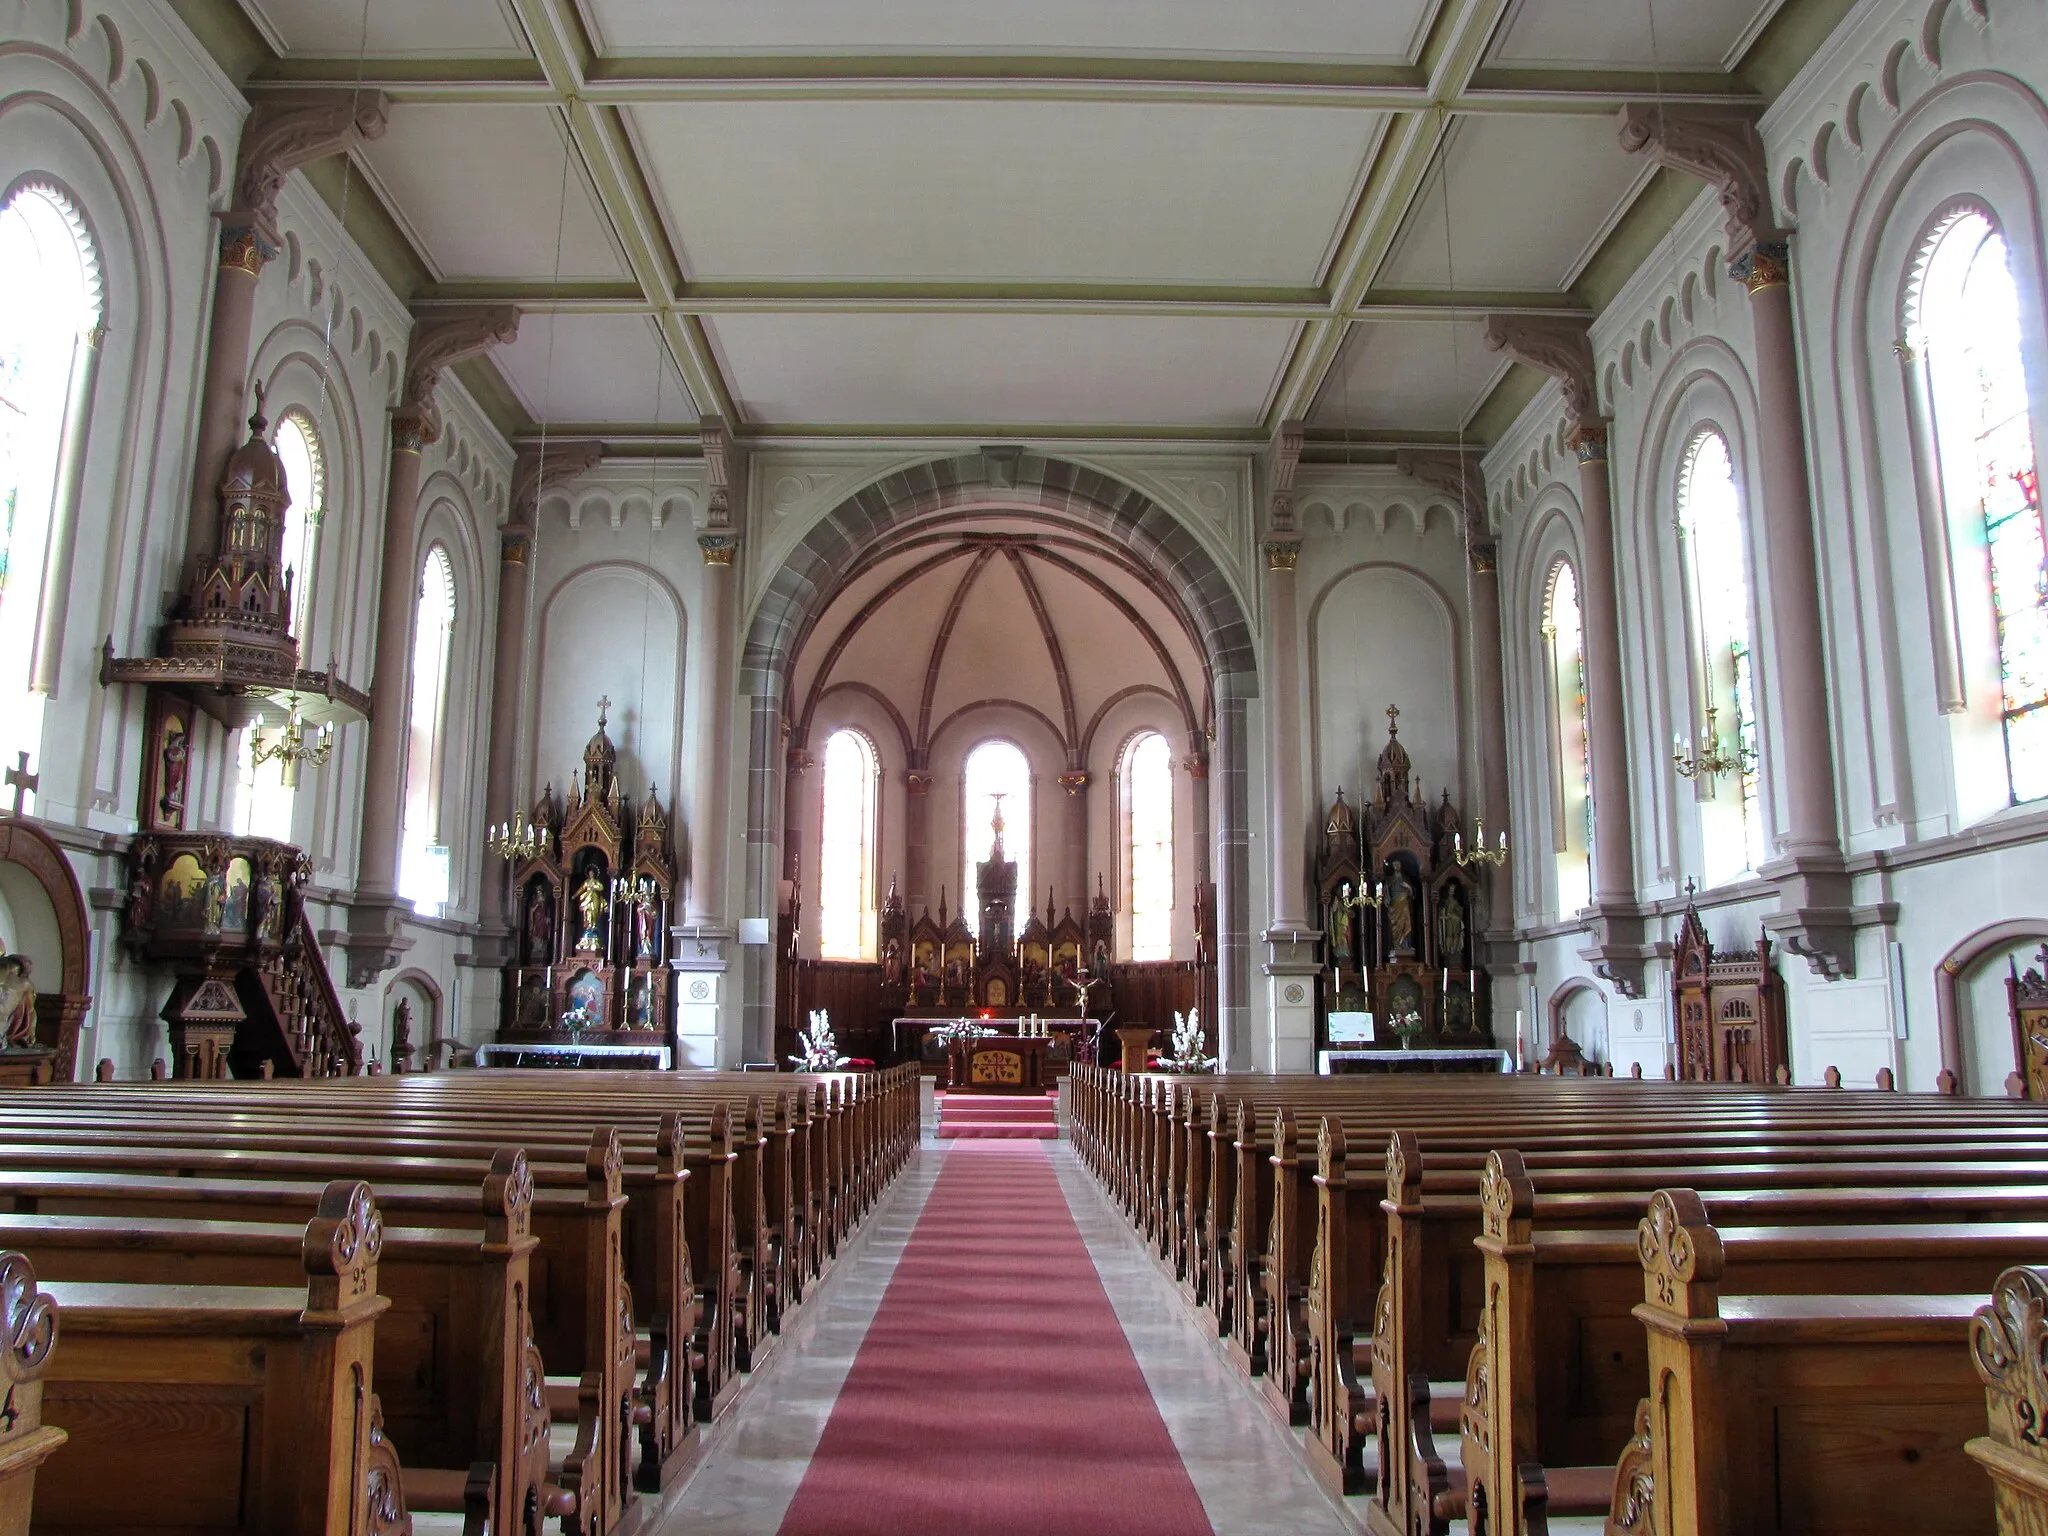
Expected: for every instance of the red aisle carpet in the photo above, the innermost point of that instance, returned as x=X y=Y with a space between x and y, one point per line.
x=1002 y=1116
x=995 y=1394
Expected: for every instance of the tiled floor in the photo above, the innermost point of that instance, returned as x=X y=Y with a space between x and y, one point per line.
x=1247 y=1469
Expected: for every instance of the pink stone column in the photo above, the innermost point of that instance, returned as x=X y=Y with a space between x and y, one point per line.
x=1283 y=735
x=390 y=684
x=1805 y=750
x=224 y=393
x=1082 y=889
x=501 y=775
x=709 y=793
x=1606 y=719
x=917 y=839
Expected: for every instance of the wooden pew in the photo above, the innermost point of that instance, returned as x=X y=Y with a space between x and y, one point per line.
x=28 y=1333
x=2009 y=1347
x=233 y=1408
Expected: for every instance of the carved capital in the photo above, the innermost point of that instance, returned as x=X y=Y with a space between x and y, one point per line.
x=442 y=338
x=917 y=783
x=537 y=470
x=1484 y=555
x=1558 y=346
x=515 y=545
x=1719 y=145
x=717 y=548
x=1281 y=554
x=1074 y=783
x=801 y=761
x=1766 y=264
x=245 y=247
x=409 y=432
x=1588 y=440
x=1196 y=764
x=289 y=129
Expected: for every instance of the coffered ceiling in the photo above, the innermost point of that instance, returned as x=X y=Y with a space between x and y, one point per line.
x=983 y=218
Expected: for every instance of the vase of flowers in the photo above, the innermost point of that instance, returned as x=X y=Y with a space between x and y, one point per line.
x=1407 y=1028
x=1186 y=1054
x=817 y=1050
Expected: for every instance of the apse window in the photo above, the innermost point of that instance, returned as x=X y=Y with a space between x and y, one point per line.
x=1964 y=326
x=50 y=314
x=1715 y=568
x=1147 y=776
x=997 y=774
x=846 y=849
x=423 y=873
x=1564 y=649
x=264 y=803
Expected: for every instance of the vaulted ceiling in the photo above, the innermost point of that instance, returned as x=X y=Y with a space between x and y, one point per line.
x=951 y=617
x=1150 y=219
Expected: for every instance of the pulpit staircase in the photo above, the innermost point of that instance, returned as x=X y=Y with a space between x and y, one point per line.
x=295 y=1026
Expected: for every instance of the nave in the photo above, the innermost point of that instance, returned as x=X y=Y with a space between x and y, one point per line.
x=1123 y=1419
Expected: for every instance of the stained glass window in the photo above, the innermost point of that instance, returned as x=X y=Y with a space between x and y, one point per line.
x=846 y=849
x=1968 y=334
x=423 y=863
x=995 y=768
x=1565 y=644
x=1717 y=576
x=50 y=307
x=1148 y=844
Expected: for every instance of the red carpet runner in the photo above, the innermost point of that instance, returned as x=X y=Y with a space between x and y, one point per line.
x=1014 y=1116
x=995 y=1393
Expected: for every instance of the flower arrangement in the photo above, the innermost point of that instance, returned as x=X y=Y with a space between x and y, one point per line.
x=1407 y=1027
x=819 y=1051
x=576 y=1019
x=960 y=1029
x=1186 y=1051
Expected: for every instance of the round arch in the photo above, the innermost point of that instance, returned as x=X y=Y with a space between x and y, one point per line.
x=29 y=849
x=1128 y=521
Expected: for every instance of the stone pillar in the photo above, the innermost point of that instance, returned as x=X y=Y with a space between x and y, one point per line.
x=797 y=805
x=1233 y=886
x=1721 y=147
x=713 y=714
x=755 y=1041
x=438 y=341
x=1561 y=348
x=284 y=132
x=917 y=837
x=530 y=478
x=1291 y=959
x=1076 y=783
x=1197 y=765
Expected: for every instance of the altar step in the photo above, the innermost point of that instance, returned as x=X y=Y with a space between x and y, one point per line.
x=985 y=1116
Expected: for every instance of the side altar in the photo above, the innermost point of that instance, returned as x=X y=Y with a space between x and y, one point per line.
x=592 y=893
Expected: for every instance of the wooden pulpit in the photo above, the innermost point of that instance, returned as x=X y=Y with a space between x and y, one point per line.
x=1137 y=1044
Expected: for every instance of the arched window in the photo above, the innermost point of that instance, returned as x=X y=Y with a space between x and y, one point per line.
x=423 y=861
x=1564 y=649
x=995 y=768
x=1147 y=775
x=846 y=849
x=305 y=476
x=1715 y=569
x=1964 y=326
x=50 y=310
x=263 y=801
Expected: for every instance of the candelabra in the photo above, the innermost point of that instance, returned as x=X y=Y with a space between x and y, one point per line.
x=514 y=841
x=291 y=749
x=1714 y=761
x=1479 y=853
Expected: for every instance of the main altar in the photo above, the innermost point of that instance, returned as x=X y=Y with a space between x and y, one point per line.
x=592 y=896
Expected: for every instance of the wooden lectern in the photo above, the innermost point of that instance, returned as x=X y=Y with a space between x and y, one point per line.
x=1137 y=1043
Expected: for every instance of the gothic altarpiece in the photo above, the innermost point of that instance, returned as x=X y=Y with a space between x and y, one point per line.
x=589 y=963
x=1398 y=913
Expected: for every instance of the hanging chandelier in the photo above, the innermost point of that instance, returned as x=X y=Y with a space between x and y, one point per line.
x=293 y=748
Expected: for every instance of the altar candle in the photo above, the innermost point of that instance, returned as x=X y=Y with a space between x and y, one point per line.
x=1518 y=1039
x=1446 y=986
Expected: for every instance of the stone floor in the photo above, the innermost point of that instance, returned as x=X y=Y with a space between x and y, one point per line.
x=1248 y=1470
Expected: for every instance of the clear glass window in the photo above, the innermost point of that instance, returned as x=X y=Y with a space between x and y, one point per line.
x=846 y=849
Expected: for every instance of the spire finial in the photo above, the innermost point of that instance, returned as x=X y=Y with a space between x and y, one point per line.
x=604 y=705
x=1393 y=715
x=257 y=424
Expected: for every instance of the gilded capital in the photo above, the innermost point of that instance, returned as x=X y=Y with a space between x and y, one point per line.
x=1281 y=554
x=409 y=433
x=1589 y=441
x=1196 y=764
x=801 y=761
x=718 y=548
x=1074 y=783
x=1483 y=554
x=1767 y=264
x=514 y=546
x=245 y=248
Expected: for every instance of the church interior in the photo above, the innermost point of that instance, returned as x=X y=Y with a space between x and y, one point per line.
x=1014 y=765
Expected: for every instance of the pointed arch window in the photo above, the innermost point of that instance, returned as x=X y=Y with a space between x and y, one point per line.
x=1964 y=325
x=995 y=768
x=1715 y=566
x=51 y=307
x=1564 y=651
x=423 y=861
x=846 y=849
x=1147 y=781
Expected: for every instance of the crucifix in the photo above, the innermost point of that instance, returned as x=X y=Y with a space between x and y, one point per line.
x=21 y=780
